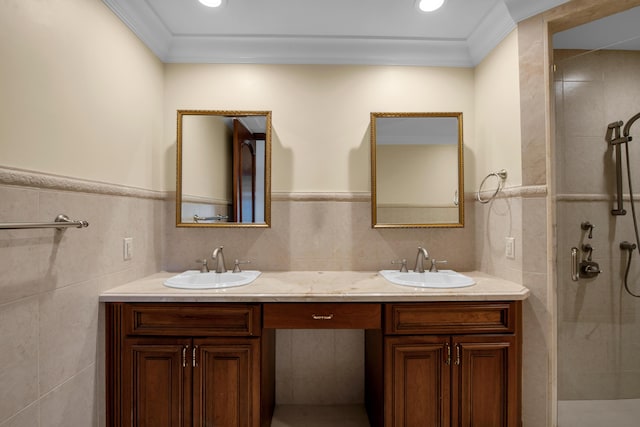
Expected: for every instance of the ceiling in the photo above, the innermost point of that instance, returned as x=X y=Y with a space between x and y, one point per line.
x=383 y=32
x=620 y=31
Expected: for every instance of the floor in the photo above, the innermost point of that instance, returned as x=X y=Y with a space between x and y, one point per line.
x=320 y=416
x=599 y=413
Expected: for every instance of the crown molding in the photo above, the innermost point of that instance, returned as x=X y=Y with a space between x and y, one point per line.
x=318 y=50
x=140 y=18
x=274 y=49
x=490 y=32
x=521 y=10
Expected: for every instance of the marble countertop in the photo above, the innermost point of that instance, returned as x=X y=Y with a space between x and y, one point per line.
x=316 y=286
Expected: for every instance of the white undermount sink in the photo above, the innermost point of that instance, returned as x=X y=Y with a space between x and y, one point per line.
x=193 y=279
x=442 y=279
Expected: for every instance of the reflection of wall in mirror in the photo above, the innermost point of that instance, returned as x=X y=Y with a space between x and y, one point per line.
x=415 y=182
x=206 y=169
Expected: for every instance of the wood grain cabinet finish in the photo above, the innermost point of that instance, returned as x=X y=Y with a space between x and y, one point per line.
x=178 y=377
x=443 y=380
x=156 y=387
x=322 y=315
x=427 y=364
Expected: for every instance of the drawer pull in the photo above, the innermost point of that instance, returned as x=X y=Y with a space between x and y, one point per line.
x=322 y=316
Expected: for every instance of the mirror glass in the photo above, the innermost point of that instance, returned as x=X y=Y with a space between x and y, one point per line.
x=416 y=170
x=223 y=169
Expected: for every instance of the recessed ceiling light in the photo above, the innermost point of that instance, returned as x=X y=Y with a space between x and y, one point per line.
x=211 y=3
x=429 y=5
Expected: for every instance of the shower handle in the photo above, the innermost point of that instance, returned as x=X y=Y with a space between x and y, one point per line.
x=574 y=264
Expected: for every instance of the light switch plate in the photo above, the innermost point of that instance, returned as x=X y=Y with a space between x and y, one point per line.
x=127 y=248
x=510 y=247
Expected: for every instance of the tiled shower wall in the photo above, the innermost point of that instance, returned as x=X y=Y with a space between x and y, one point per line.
x=51 y=352
x=598 y=322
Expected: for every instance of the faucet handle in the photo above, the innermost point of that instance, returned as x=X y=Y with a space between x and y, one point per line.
x=236 y=265
x=204 y=268
x=434 y=265
x=403 y=266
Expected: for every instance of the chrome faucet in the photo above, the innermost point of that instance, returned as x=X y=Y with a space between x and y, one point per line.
x=434 y=267
x=420 y=258
x=218 y=257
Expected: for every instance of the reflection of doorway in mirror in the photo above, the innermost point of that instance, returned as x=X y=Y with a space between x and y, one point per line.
x=223 y=177
x=248 y=175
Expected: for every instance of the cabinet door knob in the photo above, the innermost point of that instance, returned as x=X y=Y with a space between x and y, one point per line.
x=458 y=356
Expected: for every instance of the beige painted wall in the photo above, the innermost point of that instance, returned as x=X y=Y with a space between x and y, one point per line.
x=320 y=113
x=81 y=95
x=497 y=142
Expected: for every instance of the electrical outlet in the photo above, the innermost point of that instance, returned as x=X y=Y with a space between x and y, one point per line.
x=510 y=247
x=127 y=248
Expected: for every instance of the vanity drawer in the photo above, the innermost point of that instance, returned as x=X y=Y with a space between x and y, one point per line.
x=450 y=318
x=322 y=316
x=191 y=319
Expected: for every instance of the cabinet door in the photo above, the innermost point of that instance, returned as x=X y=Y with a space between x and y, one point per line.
x=486 y=382
x=156 y=383
x=417 y=381
x=226 y=382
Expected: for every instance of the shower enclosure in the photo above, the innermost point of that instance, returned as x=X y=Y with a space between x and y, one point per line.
x=598 y=321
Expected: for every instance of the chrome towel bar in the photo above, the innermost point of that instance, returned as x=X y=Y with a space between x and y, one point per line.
x=61 y=222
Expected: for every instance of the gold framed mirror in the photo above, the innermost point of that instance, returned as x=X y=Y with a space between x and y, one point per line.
x=417 y=176
x=223 y=172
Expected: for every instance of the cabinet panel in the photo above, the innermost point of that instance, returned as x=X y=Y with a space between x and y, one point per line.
x=156 y=384
x=486 y=382
x=191 y=319
x=322 y=316
x=226 y=382
x=450 y=318
x=417 y=382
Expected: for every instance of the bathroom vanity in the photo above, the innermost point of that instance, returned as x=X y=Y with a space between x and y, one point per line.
x=449 y=357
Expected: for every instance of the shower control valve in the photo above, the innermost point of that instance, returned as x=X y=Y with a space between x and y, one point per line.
x=588 y=226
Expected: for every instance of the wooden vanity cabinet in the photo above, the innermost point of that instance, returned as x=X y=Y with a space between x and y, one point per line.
x=432 y=377
x=435 y=364
x=183 y=365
